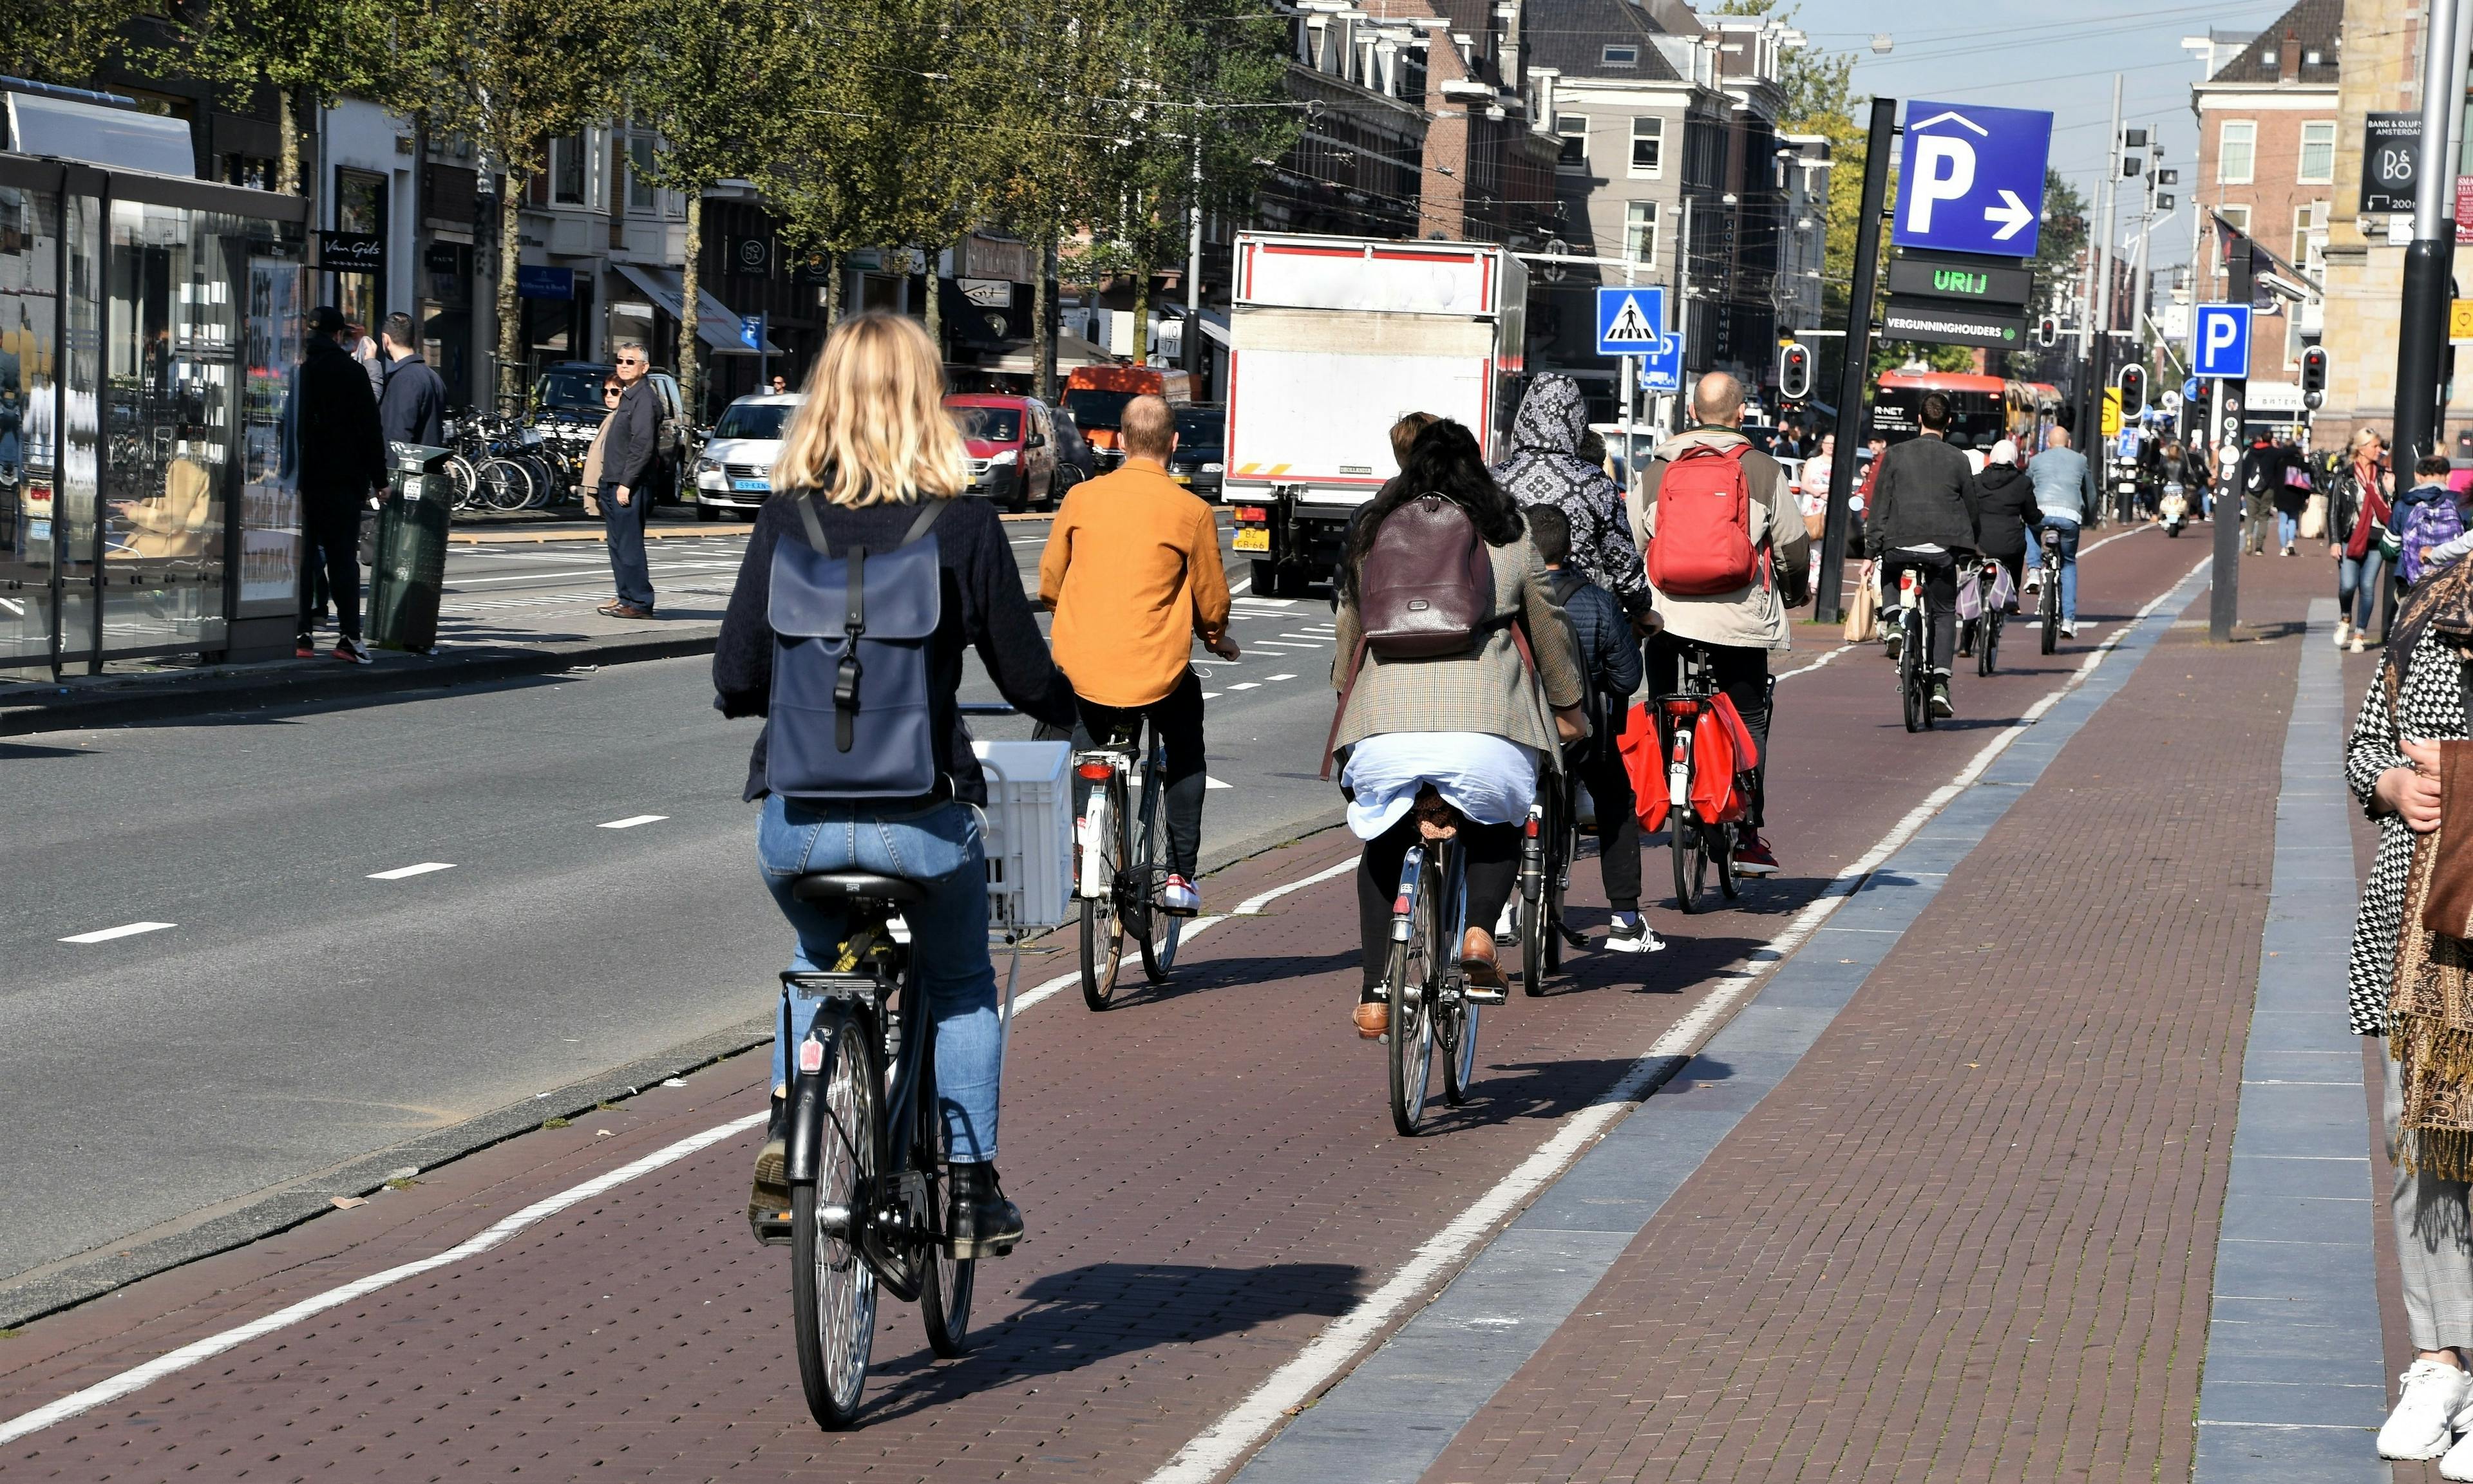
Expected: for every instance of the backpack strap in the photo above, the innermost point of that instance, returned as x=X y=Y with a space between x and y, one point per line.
x=815 y=528
x=846 y=676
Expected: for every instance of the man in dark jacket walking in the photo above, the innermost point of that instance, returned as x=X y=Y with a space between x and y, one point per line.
x=626 y=493
x=412 y=399
x=1923 y=517
x=338 y=464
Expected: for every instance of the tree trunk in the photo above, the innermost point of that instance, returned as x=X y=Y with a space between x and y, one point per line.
x=511 y=320
x=691 y=297
x=935 y=306
x=1043 y=332
x=1142 y=315
x=287 y=146
x=833 y=290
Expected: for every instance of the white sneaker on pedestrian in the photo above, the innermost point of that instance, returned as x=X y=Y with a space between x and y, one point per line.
x=2356 y=641
x=2459 y=1462
x=1506 y=928
x=2344 y=631
x=2069 y=631
x=2429 y=1397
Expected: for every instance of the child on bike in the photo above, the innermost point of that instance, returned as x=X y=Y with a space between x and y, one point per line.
x=1610 y=657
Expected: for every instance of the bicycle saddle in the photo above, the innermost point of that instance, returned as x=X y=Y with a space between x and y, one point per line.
x=847 y=886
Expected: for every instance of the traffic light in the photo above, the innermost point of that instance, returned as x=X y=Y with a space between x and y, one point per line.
x=2199 y=409
x=2048 y=331
x=2133 y=390
x=2314 y=377
x=1794 y=371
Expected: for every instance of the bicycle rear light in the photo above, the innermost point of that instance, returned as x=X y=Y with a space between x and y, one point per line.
x=811 y=1056
x=1095 y=772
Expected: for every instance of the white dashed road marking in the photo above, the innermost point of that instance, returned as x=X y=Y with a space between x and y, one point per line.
x=634 y=820
x=123 y=930
x=421 y=870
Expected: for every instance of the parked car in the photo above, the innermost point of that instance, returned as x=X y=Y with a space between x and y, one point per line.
x=1201 y=448
x=1013 y=447
x=733 y=475
x=566 y=409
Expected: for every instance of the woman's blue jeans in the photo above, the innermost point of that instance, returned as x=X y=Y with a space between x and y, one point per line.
x=941 y=846
x=2288 y=527
x=2357 y=587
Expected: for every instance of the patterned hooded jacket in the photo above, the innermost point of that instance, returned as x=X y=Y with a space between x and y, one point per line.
x=1545 y=468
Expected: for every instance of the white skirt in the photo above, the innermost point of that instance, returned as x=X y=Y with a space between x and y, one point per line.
x=1491 y=780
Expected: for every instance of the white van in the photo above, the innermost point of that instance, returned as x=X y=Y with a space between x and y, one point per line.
x=735 y=473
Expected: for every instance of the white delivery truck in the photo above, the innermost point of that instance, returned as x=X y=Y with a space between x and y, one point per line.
x=1331 y=341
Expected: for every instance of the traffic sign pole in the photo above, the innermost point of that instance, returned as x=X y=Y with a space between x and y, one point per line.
x=1828 y=601
x=2232 y=397
x=2421 y=329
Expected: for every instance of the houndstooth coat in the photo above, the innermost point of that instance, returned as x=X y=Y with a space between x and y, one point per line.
x=2430 y=708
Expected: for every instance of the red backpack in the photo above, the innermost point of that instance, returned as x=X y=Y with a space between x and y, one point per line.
x=1703 y=545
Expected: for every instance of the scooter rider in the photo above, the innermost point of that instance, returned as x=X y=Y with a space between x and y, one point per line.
x=1923 y=519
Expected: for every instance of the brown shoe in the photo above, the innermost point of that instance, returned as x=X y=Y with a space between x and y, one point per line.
x=627 y=610
x=1484 y=982
x=768 y=1199
x=1372 y=1019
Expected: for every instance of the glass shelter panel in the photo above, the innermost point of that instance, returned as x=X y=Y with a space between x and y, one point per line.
x=30 y=407
x=74 y=551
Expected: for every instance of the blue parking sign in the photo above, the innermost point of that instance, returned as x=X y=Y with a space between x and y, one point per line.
x=2220 y=348
x=1662 y=369
x=1971 y=178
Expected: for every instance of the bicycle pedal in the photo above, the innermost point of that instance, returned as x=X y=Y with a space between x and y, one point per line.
x=1002 y=1247
x=772 y=1228
x=1478 y=997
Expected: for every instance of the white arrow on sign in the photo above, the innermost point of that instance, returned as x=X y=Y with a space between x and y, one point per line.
x=1952 y=116
x=2010 y=209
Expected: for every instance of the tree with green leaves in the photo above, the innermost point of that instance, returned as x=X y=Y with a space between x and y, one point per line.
x=309 y=53
x=65 y=42
x=509 y=75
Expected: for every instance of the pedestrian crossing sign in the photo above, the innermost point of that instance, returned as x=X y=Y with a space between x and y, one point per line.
x=1631 y=321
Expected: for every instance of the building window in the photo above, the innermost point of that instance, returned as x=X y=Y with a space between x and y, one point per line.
x=642 y=195
x=2318 y=152
x=1640 y=233
x=567 y=170
x=2236 y=152
x=1620 y=55
x=1573 y=129
x=1648 y=146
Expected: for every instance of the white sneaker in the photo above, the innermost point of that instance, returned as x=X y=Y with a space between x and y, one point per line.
x=2357 y=642
x=2459 y=1462
x=2429 y=1397
x=2344 y=631
x=2069 y=631
x=1506 y=928
x=1178 y=898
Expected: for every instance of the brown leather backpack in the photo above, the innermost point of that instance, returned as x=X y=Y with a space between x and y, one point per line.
x=1426 y=588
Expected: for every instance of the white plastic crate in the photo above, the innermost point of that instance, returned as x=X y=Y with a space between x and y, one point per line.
x=1031 y=832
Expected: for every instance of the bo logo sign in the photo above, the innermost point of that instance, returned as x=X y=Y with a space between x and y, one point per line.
x=1971 y=179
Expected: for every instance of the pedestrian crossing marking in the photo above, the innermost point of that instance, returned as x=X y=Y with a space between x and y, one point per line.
x=1631 y=326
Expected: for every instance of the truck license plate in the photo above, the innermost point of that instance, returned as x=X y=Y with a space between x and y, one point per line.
x=1256 y=539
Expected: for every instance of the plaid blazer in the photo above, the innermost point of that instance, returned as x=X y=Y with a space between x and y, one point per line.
x=1488 y=689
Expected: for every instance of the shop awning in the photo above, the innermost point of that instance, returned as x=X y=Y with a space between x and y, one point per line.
x=716 y=322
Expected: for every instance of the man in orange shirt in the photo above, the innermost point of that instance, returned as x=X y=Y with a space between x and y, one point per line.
x=1132 y=572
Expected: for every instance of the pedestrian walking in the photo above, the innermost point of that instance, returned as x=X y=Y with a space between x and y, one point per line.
x=1739 y=626
x=1547 y=468
x=412 y=397
x=625 y=488
x=2292 y=496
x=339 y=465
x=1452 y=744
x=365 y=354
x=2425 y=519
x=2259 y=478
x=2406 y=982
x=2357 y=512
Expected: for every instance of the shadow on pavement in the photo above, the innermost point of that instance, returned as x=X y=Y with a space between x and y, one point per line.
x=1089 y=1314
x=1505 y=1091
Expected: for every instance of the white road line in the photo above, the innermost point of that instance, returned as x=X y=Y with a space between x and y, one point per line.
x=1210 y=695
x=138 y=1378
x=1269 y=677
x=123 y=930
x=634 y=820
x=1241 y=585
x=1208 y=784
x=1246 y=685
x=421 y=870
x=1329 y=1353
x=1817 y=664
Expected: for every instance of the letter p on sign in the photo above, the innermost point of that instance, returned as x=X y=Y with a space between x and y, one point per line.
x=1944 y=171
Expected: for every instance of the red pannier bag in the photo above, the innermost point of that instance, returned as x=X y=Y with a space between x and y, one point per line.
x=1722 y=751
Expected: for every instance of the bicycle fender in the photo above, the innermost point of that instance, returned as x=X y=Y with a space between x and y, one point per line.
x=804 y=1136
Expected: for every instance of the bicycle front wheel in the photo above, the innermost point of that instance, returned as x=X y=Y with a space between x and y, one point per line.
x=1415 y=972
x=1983 y=656
x=945 y=1295
x=1456 y=1032
x=831 y=1288
x=503 y=485
x=1684 y=833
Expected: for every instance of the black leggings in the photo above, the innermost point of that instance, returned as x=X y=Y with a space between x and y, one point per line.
x=1177 y=718
x=1490 y=856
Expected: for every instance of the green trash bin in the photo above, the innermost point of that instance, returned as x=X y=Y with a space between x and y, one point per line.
x=411 y=566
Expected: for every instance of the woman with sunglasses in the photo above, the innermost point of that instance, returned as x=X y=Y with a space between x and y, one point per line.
x=592 y=486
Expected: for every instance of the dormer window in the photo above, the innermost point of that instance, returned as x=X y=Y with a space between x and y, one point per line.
x=1619 y=57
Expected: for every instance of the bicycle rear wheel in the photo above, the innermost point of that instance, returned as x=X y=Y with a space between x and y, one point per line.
x=503 y=483
x=1684 y=833
x=1103 y=936
x=460 y=479
x=1535 y=867
x=1912 y=681
x=1983 y=656
x=831 y=1288
x=1455 y=1032
x=1157 y=931
x=1415 y=970
x=945 y=1297
x=1565 y=849
x=2048 y=607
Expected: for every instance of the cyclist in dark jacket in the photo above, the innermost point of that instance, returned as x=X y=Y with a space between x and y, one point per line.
x=2005 y=511
x=1610 y=654
x=1923 y=517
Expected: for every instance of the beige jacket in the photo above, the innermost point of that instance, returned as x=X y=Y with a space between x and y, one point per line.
x=1752 y=617
x=1489 y=690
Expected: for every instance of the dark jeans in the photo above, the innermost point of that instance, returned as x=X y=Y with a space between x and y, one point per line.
x=1177 y=717
x=624 y=527
x=1940 y=575
x=1743 y=675
x=330 y=532
x=1491 y=858
x=1601 y=769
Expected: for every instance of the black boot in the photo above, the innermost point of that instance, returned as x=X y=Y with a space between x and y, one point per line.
x=983 y=1223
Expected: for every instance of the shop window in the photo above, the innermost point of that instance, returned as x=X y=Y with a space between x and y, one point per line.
x=360 y=207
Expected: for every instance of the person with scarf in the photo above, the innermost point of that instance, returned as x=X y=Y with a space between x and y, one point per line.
x=2357 y=512
x=1547 y=468
x=2409 y=764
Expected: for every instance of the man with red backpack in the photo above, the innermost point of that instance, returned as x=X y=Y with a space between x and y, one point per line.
x=1727 y=556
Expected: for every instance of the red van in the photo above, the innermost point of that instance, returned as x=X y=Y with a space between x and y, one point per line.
x=1013 y=447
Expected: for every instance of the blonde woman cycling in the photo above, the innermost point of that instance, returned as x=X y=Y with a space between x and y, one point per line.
x=871 y=442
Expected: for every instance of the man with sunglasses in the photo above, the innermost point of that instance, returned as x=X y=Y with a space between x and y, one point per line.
x=629 y=446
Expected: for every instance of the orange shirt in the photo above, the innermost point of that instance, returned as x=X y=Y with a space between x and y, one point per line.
x=1132 y=570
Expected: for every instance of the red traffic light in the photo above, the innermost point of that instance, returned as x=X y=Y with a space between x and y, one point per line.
x=1794 y=371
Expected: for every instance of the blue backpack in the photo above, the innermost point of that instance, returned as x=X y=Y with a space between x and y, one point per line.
x=2430 y=523
x=850 y=714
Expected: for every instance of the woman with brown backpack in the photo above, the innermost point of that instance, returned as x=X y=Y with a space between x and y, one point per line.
x=1458 y=677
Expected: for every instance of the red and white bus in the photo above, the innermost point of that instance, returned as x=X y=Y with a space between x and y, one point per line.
x=1984 y=409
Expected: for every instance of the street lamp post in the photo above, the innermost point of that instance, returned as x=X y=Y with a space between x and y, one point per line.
x=2422 y=326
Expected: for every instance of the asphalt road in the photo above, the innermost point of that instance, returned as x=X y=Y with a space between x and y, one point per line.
x=306 y=1003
